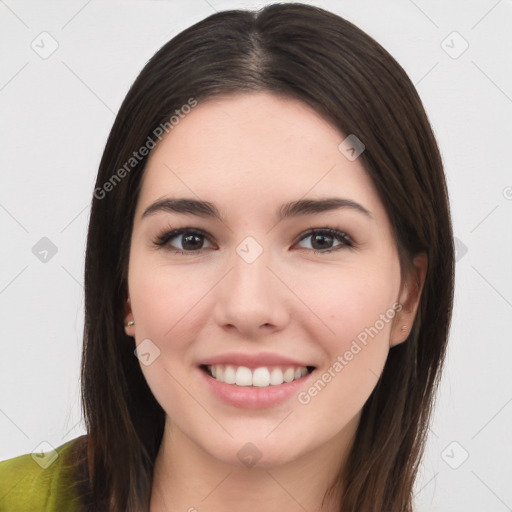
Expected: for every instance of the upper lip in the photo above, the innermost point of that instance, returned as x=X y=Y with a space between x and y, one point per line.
x=252 y=360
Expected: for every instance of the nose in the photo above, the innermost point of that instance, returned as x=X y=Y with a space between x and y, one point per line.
x=251 y=299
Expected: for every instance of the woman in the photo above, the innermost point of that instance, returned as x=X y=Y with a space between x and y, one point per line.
x=270 y=236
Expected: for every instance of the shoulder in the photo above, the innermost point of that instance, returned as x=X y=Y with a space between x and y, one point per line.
x=39 y=481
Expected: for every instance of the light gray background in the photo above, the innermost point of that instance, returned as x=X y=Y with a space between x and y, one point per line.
x=56 y=113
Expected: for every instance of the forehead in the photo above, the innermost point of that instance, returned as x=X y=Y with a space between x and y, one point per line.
x=252 y=150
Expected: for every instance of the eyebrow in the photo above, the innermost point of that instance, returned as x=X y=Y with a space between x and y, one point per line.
x=292 y=209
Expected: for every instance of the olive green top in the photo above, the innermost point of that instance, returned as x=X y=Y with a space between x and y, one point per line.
x=38 y=482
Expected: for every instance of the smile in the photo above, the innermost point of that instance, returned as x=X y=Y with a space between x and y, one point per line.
x=261 y=377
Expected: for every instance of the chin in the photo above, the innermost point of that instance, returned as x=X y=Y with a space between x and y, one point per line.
x=258 y=452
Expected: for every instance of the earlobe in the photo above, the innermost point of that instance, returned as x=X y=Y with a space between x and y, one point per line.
x=129 y=322
x=410 y=297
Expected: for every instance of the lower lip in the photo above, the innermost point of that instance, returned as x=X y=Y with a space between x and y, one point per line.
x=251 y=397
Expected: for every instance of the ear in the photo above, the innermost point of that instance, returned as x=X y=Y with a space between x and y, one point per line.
x=410 y=295
x=129 y=325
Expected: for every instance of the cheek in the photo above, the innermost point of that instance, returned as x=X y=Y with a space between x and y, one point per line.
x=358 y=305
x=166 y=304
x=355 y=312
x=355 y=352
x=164 y=299
x=352 y=300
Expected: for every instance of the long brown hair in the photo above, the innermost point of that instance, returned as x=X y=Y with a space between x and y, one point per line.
x=313 y=55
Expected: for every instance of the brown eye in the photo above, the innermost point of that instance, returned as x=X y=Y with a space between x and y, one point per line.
x=325 y=240
x=183 y=240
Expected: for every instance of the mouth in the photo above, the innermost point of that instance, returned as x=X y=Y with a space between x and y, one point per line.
x=260 y=377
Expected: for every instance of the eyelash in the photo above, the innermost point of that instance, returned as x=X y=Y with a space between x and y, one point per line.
x=162 y=239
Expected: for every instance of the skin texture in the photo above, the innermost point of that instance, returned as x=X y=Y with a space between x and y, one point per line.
x=249 y=154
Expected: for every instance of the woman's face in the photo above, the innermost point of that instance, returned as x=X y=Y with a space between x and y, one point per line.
x=255 y=289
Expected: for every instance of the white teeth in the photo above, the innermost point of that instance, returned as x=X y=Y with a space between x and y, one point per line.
x=229 y=375
x=289 y=374
x=276 y=377
x=243 y=376
x=259 y=377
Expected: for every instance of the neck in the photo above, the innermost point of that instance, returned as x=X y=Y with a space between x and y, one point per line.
x=186 y=478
